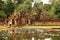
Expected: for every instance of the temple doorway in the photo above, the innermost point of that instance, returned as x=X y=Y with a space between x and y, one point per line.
x=13 y=22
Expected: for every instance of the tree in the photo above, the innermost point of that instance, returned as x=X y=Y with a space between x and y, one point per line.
x=2 y=14
x=9 y=8
x=51 y=8
x=21 y=9
x=37 y=9
x=29 y=3
x=20 y=1
x=47 y=7
x=1 y=5
x=57 y=7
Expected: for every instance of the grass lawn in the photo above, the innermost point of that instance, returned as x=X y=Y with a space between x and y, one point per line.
x=41 y=27
x=10 y=28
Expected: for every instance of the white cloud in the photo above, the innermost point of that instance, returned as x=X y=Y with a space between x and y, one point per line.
x=45 y=1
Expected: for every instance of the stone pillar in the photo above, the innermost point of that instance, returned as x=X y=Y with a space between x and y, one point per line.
x=15 y=22
x=9 y=23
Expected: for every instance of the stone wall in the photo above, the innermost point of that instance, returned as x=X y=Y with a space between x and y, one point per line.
x=50 y=23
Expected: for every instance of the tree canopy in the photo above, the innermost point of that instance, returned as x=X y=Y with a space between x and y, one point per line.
x=21 y=6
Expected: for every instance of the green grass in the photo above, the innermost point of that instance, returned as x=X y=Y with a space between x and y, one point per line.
x=41 y=27
x=10 y=28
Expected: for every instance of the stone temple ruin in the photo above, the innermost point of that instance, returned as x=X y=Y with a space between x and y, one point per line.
x=16 y=20
x=12 y=20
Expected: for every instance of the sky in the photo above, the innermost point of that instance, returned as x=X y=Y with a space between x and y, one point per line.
x=45 y=1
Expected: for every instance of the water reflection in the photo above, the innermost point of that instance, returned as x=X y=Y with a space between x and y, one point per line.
x=30 y=34
x=48 y=39
x=33 y=38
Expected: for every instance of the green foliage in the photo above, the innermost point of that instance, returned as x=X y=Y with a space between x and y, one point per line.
x=52 y=11
x=20 y=1
x=24 y=5
x=9 y=8
x=28 y=2
x=2 y=14
x=22 y=8
x=38 y=7
x=55 y=37
x=54 y=8
x=57 y=7
x=47 y=7
x=1 y=5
